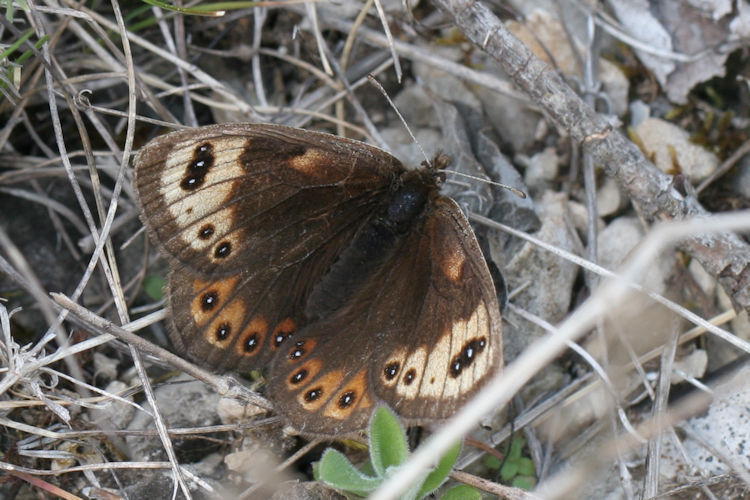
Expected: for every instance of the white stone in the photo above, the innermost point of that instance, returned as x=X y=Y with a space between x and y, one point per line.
x=668 y=142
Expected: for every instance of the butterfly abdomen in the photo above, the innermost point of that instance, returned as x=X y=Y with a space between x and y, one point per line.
x=374 y=244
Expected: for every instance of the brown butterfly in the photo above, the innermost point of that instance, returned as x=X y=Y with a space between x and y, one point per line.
x=324 y=261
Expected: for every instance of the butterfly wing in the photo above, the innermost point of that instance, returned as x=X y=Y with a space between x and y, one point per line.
x=251 y=216
x=423 y=334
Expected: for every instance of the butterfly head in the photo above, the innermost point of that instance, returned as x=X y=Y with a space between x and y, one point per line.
x=436 y=168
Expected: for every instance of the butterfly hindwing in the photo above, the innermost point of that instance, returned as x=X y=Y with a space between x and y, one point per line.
x=422 y=334
x=456 y=344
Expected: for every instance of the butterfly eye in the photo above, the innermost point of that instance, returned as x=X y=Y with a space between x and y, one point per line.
x=209 y=300
x=223 y=250
x=391 y=370
x=298 y=351
x=353 y=395
x=223 y=331
x=251 y=343
x=313 y=394
x=209 y=297
x=307 y=371
x=284 y=330
x=195 y=174
x=466 y=357
x=298 y=377
x=206 y=232
x=347 y=399
x=410 y=376
x=252 y=337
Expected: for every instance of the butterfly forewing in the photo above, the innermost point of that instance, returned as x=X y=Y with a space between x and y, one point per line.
x=229 y=196
x=252 y=216
x=422 y=334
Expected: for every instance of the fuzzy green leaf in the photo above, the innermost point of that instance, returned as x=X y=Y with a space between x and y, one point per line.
x=335 y=470
x=462 y=492
x=527 y=483
x=438 y=476
x=492 y=462
x=526 y=466
x=516 y=446
x=388 y=447
x=509 y=470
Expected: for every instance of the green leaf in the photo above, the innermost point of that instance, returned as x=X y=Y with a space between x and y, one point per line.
x=215 y=9
x=435 y=478
x=509 y=470
x=492 y=462
x=413 y=492
x=335 y=470
x=16 y=45
x=462 y=492
x=316 y=471
x=524 y=482
x=516 y=446
x=526 y=466
x=154 y=287
x=388 y=447
x=368 y=469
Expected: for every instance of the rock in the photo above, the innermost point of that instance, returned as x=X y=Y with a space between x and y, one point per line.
x=116 y=414
x=725 y=426
x=548 y=278
x=669 y=143
x=635 y=318
x=616 y=242
x=545 y=35
x=541 y=169
x=706 y=281
x=609 y=198
x=254 y=465
x=294 y=490
x=416 y=107
x=694 y=364
x=445 y=85
x=174 y=400
x=639 y=112
x=579 y=217
x=231 y=411
x=513 y=118
x=405 y=149
x=104 y=367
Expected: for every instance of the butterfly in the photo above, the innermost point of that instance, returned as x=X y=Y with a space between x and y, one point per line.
x=349 y=279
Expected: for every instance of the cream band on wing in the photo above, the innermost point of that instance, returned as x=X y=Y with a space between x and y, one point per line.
x=189 y=169
x=411 y=374
x=471 y=352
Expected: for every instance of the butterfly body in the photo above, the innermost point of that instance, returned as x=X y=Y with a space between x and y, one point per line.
x=324 y=261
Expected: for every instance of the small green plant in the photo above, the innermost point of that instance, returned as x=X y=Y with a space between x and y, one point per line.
x=215 y=9
x=388 y=451
x=517 y=470
x=154 y=286
x=11 y=58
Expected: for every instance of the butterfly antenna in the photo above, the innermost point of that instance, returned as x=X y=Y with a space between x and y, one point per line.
x=377 y=85
x=513 y=190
